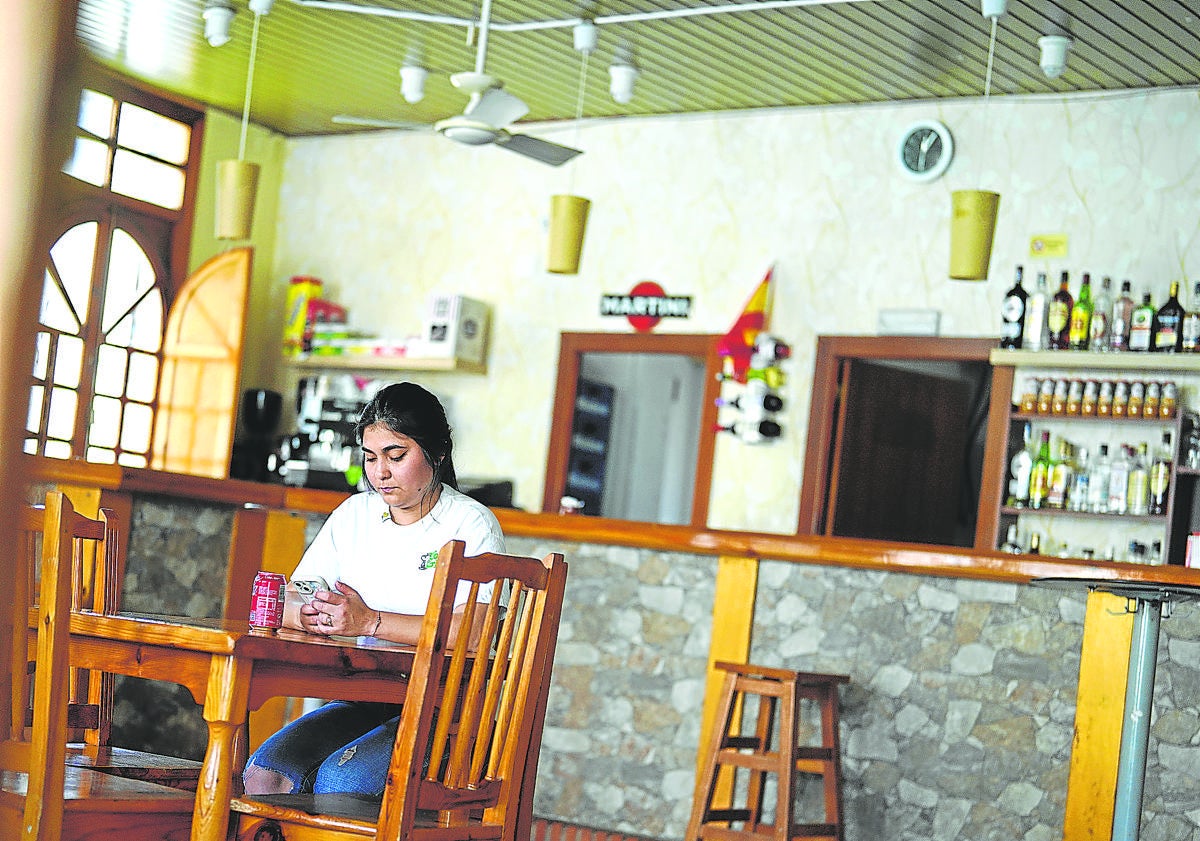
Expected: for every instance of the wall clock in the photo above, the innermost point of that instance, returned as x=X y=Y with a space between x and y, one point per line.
x=925 y=150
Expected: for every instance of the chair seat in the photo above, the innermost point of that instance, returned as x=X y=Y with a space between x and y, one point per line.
x=354 y=813
x=136 y=765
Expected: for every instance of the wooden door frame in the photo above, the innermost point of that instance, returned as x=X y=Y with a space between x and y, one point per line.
x=831 y=354
x=571 y=348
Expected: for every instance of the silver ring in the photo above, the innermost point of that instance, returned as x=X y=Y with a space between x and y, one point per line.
x=327 y=621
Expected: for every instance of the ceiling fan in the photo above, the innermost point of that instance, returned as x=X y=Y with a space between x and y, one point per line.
x=489 y=113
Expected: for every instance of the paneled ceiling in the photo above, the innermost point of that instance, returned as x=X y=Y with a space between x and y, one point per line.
x=316 y=59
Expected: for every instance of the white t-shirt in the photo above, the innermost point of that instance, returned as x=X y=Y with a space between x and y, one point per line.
x=390 y=565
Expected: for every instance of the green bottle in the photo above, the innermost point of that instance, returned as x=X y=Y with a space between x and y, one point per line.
x=1039 y=478
x=1080 y=332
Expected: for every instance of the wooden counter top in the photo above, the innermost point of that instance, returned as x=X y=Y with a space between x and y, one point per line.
x=825 y=551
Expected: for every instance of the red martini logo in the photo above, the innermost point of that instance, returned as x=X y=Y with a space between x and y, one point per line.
x=646 y=305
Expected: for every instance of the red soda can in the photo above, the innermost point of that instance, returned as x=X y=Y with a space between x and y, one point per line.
x=266 y=601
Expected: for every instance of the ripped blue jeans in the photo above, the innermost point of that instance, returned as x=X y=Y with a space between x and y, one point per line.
x=344 y=746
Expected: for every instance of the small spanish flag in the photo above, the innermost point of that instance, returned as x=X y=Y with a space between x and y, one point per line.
x=737 y=346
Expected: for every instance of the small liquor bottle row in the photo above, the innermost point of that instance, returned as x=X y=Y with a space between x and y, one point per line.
x=1038 y=320
x=1149 y=399
x=1065 y=478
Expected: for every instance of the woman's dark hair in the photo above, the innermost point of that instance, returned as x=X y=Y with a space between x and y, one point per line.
x=408 y=409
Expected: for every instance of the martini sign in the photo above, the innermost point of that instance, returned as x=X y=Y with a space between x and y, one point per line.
x=645 y=305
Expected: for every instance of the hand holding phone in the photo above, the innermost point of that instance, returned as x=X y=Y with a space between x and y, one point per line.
x=308 y=588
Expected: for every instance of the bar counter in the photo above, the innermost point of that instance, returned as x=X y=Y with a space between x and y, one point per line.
x=826 y=551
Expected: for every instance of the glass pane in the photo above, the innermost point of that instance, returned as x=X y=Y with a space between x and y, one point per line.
x=143 y=377
x=110 y=370
x=142 y=178
x=130 y=460
x=61 y=423
x=135 y=431
x=89 y=161
x=31 y=446
x=57 y=449
x=106 y=422
x=99 y=456
x=33 y=421
x=72 y=257
x=154 y=134
x=41 y=356
x=68 y=361
x=96 y=113
x=129 y=276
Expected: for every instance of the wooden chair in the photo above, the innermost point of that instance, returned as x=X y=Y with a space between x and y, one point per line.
x=470 y=773
x=97 y=570
x=41 y=798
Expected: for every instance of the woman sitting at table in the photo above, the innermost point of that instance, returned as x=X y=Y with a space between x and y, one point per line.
x=377 y=550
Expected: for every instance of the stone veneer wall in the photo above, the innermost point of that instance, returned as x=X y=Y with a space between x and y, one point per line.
x=957 y=722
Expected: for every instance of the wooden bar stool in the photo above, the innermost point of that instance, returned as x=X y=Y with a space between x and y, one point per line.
x=772 y=748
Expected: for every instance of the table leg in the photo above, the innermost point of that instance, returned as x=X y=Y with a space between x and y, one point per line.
x=1139 y=695
x=225 y=702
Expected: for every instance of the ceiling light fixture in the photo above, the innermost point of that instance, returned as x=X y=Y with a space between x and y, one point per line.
x=623 y=73
x=973 y=212
x=1054 y=54
x=569 y=212
x=218 y=17
x=237 y=180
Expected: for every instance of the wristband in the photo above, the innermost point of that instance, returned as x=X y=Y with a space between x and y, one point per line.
x=378 y=622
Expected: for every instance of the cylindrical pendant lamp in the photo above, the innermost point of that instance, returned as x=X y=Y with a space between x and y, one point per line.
x=568 y=221
x=237 y=185
x=972 y=226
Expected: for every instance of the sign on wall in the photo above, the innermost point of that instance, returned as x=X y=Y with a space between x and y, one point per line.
x=645 y=305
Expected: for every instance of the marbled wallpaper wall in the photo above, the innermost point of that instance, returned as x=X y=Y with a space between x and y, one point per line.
x=703 y=205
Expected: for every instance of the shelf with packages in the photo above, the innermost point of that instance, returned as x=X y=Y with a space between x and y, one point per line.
x=1075 y=528
x=370 y=362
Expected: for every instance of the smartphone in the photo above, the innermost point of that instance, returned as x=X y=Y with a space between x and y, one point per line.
x=308 y=588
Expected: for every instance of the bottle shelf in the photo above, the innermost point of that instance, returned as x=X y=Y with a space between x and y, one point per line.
x=1087 y=359
x=1031 y=417
x=368 y=362
x=1087 y=515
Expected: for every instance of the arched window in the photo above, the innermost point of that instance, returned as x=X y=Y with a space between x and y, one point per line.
x=109 y=279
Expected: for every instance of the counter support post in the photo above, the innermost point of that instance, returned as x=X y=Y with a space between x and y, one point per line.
x=1139 y=696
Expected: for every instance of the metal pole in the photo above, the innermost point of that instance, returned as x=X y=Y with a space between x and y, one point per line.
x=1139 y=692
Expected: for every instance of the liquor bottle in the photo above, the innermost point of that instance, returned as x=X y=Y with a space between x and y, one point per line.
x=754 y=433
x=1035 y=544
x=1168 y=323
x=1034 y=332
x=1039 y=477
x=1021 y=467
x=1118 y=482
x=1058 y=316
x=764 y=402
x=1138 y=495
x=1012 y=314
x=1155 y=558
x=1190 y=330
x=1160 y=476
x=1141 y=325
x=1077 y=496
x=1102 y=316
x=1122 y=314
x=1097 y=500
x=1079 y=333
x=1062 y=472
x=1011 y=544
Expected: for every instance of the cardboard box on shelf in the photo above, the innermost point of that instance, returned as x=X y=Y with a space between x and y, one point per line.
x=455 y=327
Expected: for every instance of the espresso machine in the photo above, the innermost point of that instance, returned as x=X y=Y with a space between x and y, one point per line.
x=323 y=452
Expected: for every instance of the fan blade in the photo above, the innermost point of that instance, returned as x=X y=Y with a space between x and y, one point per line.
x=496 y=107
x=371 y=122
x=539 y=150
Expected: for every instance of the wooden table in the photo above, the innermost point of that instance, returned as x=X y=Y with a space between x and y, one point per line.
x=230 y=670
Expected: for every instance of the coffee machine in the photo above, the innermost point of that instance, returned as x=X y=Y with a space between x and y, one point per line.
x=323 y=452
x=255 y=452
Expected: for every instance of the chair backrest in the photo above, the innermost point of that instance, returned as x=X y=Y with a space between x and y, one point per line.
x=43 y=754
x=476 y=754
x=96 y=569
